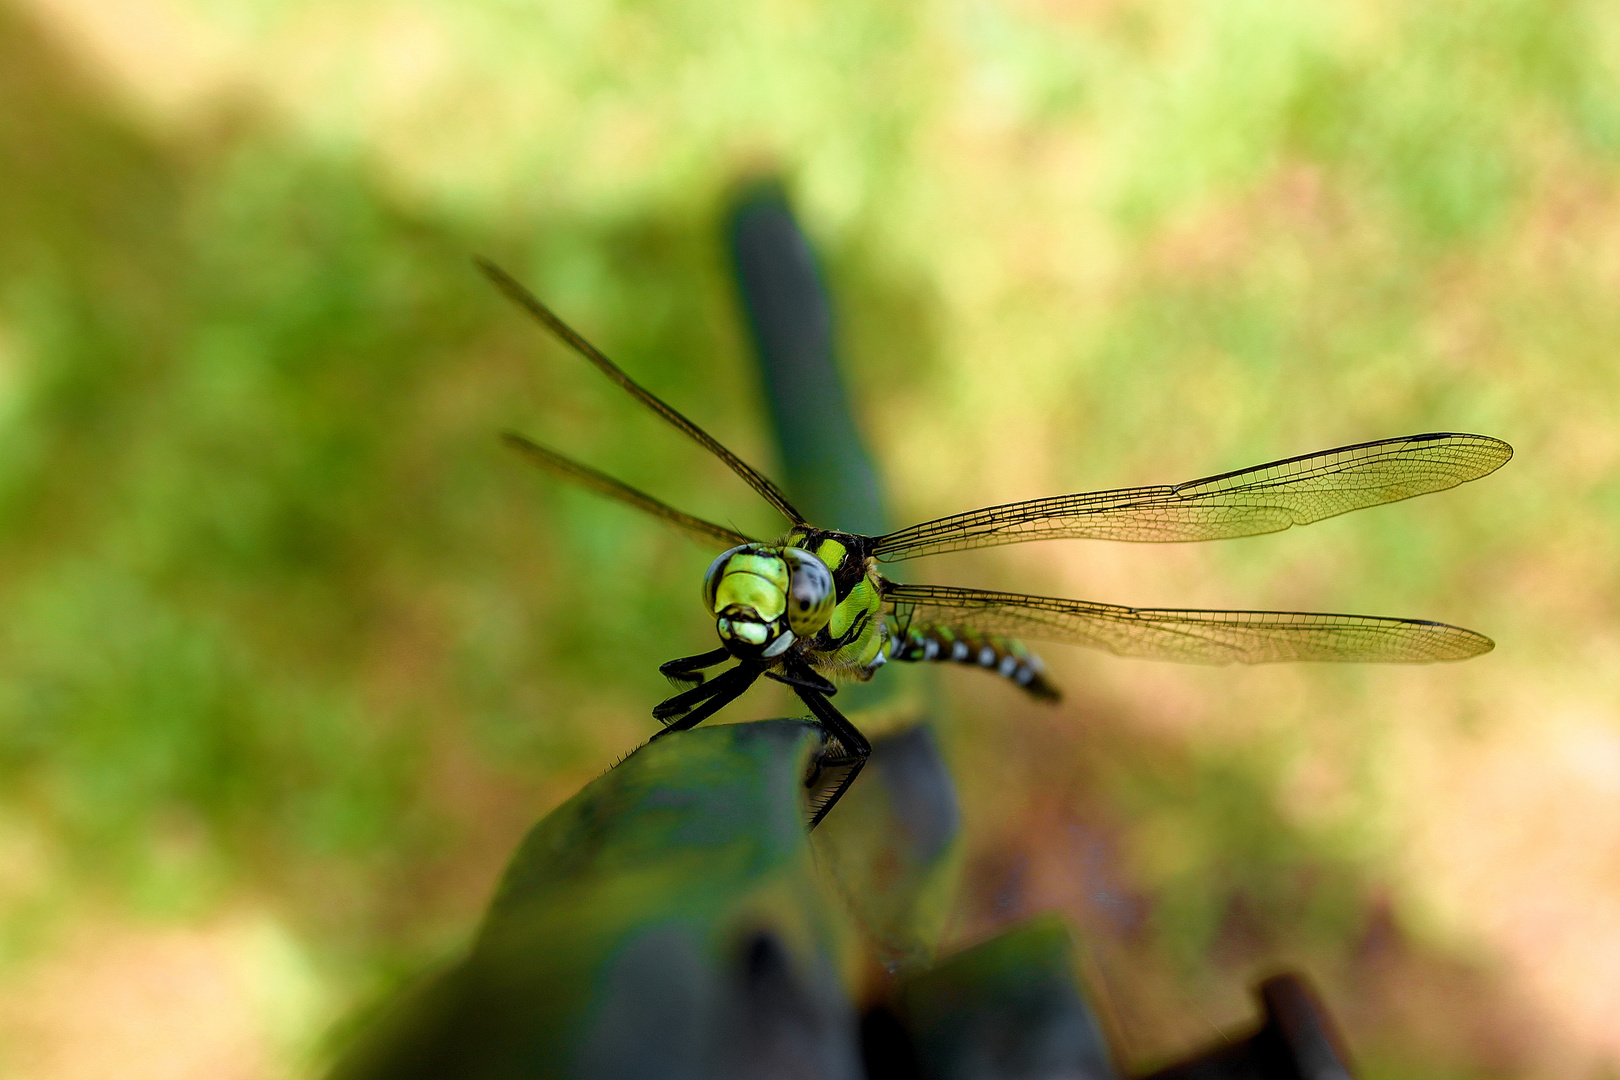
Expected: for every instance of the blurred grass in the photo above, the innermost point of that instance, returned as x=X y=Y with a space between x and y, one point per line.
x=287 y=635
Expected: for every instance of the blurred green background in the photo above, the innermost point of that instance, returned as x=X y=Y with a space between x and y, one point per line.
x=293 y=652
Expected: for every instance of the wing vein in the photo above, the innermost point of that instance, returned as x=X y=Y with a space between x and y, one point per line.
x=603 y=484
x=523 y=298
x=1188 y=635
x=1248 y=502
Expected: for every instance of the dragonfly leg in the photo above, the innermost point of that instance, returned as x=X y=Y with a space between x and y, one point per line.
x=688 y=670
x=696 y=706
x=852 y=744
x=802 y=677
x=673 y=707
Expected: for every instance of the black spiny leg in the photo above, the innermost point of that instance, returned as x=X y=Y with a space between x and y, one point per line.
x=800 y=677
x=688 y=670
x=674 y=707
x=855 y=749
x=690 y=709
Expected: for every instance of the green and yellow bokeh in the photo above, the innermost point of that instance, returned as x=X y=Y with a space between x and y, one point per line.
x=293 y=651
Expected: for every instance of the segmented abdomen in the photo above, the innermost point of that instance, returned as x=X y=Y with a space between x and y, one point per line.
x=1004 y=655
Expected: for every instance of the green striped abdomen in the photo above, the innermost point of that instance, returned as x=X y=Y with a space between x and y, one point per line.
x=1006 y=656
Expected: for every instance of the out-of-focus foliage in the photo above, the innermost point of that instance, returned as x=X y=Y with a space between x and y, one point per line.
x=293 y=653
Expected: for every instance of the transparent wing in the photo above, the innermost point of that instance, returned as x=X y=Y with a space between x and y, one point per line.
x=1262 y=499
x=1189 y=636
x=603 y=484
x=526 y=300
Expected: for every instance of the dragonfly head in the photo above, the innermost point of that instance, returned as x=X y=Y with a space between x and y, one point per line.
x=764 y=598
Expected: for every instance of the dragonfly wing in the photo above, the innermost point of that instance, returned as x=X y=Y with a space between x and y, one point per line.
x=1262 y=499
x=526 y=300
x=603 y=484
x=1189 y=636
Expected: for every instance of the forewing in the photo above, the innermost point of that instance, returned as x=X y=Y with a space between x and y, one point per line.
x=1262 y=499
x=1189 y=636
x=603 y=484
x=526 y=300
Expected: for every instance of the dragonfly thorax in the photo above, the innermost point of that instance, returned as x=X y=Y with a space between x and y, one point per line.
x=764 y=598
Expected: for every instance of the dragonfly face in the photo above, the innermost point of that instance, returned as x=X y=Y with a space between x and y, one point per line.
x=765 y=598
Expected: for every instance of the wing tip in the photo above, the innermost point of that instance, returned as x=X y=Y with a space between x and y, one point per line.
x=519 y=294
x=1451 y=643
x=519 y=443
x=489 y=267
x=495 y=274
x=1493 y=452
x=1471 y=644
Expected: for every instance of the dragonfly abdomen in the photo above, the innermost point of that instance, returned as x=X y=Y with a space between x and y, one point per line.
x=1005 y=656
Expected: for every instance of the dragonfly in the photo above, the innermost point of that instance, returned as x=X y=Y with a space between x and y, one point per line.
x=812 y=606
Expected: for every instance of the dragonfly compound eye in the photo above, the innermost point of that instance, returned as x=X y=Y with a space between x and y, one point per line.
x=716 y=571
x=810 y=597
